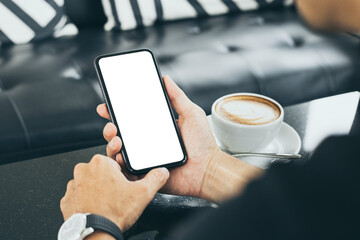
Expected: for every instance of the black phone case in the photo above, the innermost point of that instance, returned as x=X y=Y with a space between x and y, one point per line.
x=113 y=119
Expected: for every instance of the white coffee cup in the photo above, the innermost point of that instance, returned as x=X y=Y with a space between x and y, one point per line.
x=239 y=137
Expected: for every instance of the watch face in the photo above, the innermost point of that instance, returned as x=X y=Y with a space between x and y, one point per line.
x=73 y=228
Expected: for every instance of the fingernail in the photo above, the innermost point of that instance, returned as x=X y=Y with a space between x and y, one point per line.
x=166 y=172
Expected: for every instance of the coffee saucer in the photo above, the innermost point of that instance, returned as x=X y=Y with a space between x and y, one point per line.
x=287 y=141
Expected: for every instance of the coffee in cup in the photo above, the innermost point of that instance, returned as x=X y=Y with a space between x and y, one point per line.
x=246 y=122
x=248 y=110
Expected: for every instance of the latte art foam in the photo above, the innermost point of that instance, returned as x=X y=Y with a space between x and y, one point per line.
x=249 y=110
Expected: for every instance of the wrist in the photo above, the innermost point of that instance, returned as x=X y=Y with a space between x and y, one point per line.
x=100 y=235
x=207 y=190
x=106 y=227
x=226 y=177
x=89 y=226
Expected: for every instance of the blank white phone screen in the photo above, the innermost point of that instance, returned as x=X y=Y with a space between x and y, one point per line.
x=141 y=110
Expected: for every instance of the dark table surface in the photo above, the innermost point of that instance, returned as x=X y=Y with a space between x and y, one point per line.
x=31 y=190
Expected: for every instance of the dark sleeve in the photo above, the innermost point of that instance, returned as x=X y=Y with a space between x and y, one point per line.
x=319 y=200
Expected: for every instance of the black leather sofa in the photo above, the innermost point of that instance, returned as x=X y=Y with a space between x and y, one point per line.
x=49 y=89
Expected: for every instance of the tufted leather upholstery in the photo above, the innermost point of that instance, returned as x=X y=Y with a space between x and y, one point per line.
x=49 y=89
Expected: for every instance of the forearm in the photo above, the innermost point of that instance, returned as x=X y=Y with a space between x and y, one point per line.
x=226 y=177
x=331 y=14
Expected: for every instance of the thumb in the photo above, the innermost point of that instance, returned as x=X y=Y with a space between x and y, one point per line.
x=156 y=179
x=178 y=99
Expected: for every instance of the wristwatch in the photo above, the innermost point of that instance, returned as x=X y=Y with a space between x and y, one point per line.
x=81 y=225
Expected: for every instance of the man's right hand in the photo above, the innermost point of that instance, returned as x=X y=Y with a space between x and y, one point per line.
x=198 y=139
x=209 y=173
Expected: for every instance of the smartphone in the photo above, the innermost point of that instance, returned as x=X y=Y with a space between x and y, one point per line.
x=139 y=106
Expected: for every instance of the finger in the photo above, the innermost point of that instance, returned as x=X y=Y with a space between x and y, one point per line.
x=155 y=180
x=110 y=131
x=129 y=176
x=113 y=147
x=103 y=111
x=104 y=162
x=120 y=160
x=79 y=169
x=69 y=185
x=178 y=99
x=63 y=203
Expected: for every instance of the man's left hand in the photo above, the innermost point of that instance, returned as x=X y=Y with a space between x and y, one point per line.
x=99 y=187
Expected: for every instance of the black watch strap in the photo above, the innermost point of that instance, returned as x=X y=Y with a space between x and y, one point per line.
x=98 y=222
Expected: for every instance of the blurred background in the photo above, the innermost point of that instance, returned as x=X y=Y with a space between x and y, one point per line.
x=48 y=85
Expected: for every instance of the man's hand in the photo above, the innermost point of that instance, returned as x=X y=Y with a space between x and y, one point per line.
x=198 y=138
x=99 y=187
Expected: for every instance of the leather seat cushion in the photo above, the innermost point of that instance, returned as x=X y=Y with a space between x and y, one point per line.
x=49 y=90
x=269 y=52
